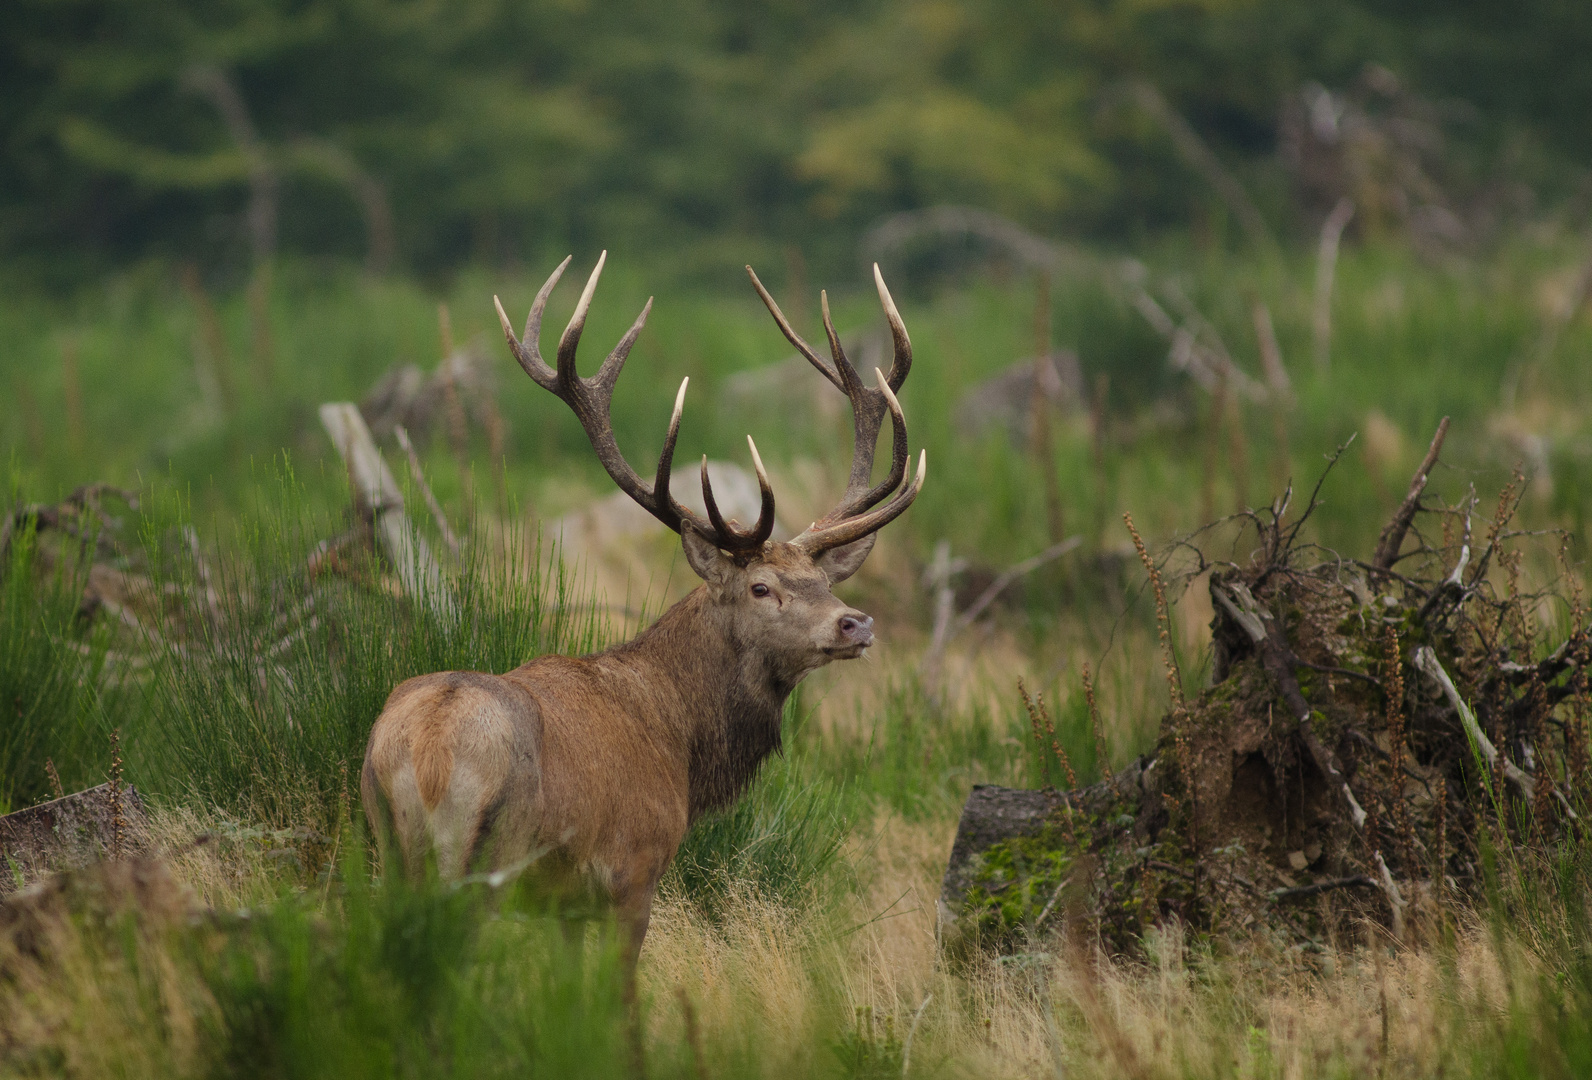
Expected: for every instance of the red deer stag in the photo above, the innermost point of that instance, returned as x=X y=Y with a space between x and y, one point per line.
x=598 y=765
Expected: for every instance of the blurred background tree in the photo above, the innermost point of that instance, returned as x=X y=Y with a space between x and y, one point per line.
x=420 y=135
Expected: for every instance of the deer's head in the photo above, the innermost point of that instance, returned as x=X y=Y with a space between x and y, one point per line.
x=776 y=596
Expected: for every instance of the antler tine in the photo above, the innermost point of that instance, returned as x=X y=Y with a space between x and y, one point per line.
x=590 y=399
x=608 y=374
x=902 y=364
x=868 y=405
x=533 y=321
x=720 y=526
x=570 y=341
x=819 y=539
x=765 y=513
x=898 y=445
x=660 y=483
x=850 y=383
x=727 y=535
x=791 y=335
x=527 y=351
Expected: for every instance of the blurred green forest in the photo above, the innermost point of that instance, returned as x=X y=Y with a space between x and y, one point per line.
x=420 y=136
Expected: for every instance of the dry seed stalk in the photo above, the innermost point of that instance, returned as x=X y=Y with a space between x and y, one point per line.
x=1397 y=748
x=1094 y=722
x=1373 y=827
x=1039 y=739
x=56 y=789
x=1506 y=507
x=1039 y=715
x=1163 y=618
x=118 y=822
x=1163 y=621
x=1542 y=794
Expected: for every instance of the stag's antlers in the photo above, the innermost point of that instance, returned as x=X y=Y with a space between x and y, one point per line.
x=851 y=520
x=590 y=400
x=857 y=513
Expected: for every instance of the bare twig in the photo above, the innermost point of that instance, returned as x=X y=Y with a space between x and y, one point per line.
x=1004 y=580
x=947 y=624
x=418 y=475
x=937 y=577
x=1426 y=660
x=1392 y=538
x=1395 y=899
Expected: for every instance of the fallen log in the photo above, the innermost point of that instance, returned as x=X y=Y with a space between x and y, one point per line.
x=379 y=496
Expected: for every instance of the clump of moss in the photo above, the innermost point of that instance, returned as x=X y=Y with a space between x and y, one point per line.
x=1018 y=884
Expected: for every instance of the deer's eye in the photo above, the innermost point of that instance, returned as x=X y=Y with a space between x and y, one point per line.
x=759 y=589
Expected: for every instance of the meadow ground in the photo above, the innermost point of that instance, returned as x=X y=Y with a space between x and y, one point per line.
x=797 y=935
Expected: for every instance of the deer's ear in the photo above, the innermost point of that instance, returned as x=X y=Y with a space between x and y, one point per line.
x=841 y=562
x=710 y=564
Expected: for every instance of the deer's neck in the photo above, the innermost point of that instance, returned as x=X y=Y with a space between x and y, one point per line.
x=728 y=698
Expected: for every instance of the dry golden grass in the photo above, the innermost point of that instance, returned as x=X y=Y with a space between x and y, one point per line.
x=1365 y=1010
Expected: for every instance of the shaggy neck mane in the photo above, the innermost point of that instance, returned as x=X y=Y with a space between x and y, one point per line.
x=733 y=696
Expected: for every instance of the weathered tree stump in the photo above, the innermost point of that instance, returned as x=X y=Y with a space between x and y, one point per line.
x=996 y=815
x=69 y=832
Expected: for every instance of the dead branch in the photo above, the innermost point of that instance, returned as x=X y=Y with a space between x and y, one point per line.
x=418 y=475
x=378 y=494
x=947 y=625
x=1426 y=660
x=1199 y=156
x=1387 y=548
x=1299 y=892
x=1007 y=577
x=1279 y=661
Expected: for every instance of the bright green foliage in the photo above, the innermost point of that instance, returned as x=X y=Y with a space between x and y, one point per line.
x=1017 y=882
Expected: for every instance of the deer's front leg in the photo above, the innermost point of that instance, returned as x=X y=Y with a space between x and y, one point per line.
x=633 y=912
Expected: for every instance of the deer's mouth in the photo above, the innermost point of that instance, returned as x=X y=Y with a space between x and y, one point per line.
x=846 y=652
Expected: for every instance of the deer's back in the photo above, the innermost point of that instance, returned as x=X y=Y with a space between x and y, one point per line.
x=568 y=754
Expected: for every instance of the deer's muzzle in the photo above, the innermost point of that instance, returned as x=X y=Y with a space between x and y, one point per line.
x=856 y=633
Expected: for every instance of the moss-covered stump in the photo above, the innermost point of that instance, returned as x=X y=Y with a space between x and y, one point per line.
x=1367 y=734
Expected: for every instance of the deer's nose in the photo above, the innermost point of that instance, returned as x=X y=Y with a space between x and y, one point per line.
x=856 y=629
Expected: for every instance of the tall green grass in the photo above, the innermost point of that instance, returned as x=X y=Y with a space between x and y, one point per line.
x=269 y=667
x=1412 y=341
x=52 y=663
